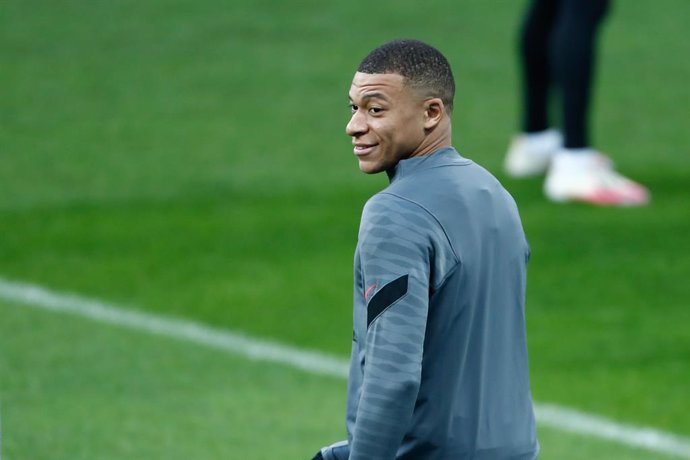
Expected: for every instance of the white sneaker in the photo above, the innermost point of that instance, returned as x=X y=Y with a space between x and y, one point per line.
x=529 y=154
x=589 y=177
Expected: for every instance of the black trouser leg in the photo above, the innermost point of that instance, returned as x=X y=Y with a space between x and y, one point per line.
x=574 y=46
x=535 y=60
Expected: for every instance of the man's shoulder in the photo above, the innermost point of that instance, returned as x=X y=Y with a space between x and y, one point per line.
x=395 y=210
x=393 y=199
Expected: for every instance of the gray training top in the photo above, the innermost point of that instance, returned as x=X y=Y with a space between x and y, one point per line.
x=439 y=354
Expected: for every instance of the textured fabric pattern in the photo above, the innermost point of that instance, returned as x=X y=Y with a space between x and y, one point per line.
x=440 y=372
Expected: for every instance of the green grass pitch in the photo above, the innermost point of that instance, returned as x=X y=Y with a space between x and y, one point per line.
x=189 y=158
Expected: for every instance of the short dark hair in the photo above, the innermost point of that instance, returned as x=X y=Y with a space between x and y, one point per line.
x=421 y=65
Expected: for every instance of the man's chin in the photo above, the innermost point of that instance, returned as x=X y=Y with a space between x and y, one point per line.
x=368 y=167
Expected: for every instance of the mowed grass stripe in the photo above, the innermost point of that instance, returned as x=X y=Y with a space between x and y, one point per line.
x=312 y=361
x=76 y=389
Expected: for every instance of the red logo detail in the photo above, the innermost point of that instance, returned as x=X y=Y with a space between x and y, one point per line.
x=368 y=291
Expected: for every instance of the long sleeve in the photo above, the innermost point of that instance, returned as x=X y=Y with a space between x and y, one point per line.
x=395 y=251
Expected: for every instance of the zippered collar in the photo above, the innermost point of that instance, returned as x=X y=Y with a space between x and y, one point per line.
x=441 y=157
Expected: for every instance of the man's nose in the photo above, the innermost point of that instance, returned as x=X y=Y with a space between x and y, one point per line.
x=357 y=124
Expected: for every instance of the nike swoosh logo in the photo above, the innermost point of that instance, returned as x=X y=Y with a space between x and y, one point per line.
x=368 y=291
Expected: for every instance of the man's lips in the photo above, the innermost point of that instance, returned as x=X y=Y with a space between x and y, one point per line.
x=363 y=149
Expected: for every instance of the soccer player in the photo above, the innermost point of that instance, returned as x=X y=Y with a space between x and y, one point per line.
x=557 y=47
x=439 y=354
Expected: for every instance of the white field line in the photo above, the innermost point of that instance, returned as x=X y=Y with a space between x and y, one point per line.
x=314 y=362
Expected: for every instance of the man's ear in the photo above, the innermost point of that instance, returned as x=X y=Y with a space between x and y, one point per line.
x=434 y=110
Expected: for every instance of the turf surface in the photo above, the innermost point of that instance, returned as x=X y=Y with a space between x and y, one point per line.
x=190 y=158
x=76 y=389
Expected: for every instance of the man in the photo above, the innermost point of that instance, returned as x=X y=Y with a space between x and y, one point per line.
x=439 y=354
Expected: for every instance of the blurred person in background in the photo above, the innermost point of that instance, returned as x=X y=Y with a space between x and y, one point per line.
x=557 y=51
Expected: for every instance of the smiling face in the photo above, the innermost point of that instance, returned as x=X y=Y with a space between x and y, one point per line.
x=389 y=121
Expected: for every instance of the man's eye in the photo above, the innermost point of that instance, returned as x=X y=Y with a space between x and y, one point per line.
x=375 y=110
x=353 y=108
